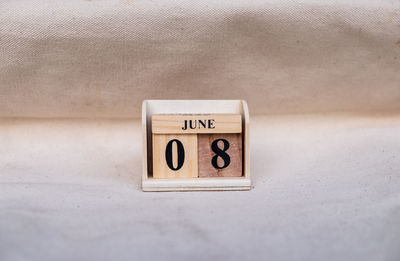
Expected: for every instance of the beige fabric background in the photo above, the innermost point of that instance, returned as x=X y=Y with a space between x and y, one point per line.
x=325 y=188
x=326 y=180
x=102 y=58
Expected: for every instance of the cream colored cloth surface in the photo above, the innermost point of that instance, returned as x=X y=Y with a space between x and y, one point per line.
x=102 y=58
x=325 y=188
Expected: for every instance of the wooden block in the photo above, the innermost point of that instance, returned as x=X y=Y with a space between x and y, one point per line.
x=179 y=107
x=220 y=155
x=175 y=156
x=196 y=123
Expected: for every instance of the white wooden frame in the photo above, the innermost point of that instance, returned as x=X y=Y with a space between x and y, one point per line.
x=150 y=107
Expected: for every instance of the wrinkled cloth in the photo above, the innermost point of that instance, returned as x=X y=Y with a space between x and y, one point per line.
x=322 y=80
x=325 y=188
x=102 y=58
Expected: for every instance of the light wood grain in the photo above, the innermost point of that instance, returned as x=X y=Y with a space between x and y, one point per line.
x=205 y=153
x=196 y=123
x=190 y=165
x=199 y=184
x=151 y=107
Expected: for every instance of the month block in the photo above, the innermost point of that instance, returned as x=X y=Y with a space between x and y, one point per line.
x=175 y=156
x=220 y=155
x=196 y=123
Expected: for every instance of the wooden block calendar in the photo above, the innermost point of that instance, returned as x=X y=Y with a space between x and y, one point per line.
x=195 y=145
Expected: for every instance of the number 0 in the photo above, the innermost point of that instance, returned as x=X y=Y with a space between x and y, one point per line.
x=181 y=154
